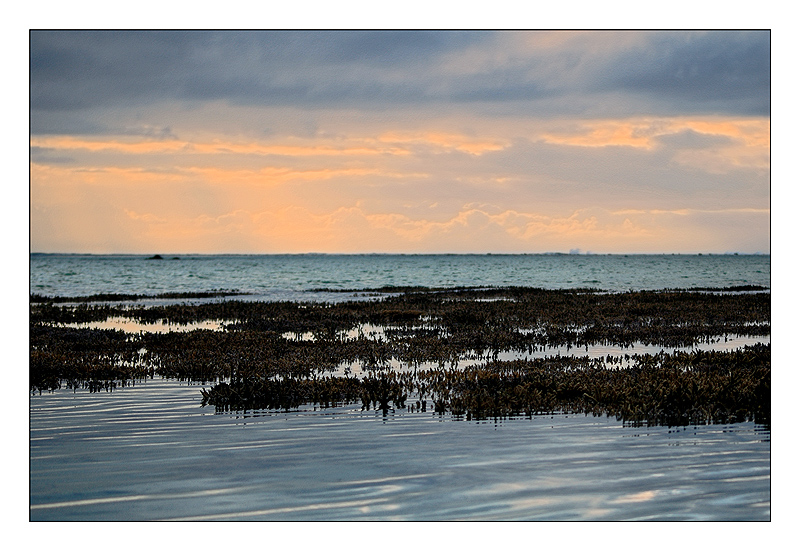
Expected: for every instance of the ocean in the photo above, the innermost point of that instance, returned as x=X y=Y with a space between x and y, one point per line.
x=151 y=452
x=300 y=277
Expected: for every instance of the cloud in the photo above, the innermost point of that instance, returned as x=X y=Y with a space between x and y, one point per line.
x=444 y=142
x=711 y=71
x=534 y=73
x=45 y=155
x=82 y=69
x=691 y=139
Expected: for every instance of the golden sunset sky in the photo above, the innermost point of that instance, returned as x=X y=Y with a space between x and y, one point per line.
x=400 y=142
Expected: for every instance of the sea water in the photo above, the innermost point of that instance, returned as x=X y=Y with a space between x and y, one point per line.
x=300 y=277
x=151 y=452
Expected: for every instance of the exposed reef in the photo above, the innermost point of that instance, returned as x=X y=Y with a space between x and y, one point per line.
x=279 y=355
x=667 y=389
x=122 y=297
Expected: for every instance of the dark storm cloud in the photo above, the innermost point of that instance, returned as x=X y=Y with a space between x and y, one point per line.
x=727 y=72
x=73 y=70
x=662 y=74
x=379 y=47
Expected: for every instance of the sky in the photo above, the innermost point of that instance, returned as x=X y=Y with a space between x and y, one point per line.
x=400 y=142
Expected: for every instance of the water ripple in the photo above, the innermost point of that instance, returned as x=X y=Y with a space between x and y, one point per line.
x=156 y=455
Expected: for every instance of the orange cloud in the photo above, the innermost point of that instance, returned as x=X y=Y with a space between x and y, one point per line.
x=124 y=146
x=643 y=133
x=68 y=177
x=746 y=143
x=297 y=150
x=602 y=134
x=118 y=177
x=441 y=141
x=687 y=212
x=276 y=175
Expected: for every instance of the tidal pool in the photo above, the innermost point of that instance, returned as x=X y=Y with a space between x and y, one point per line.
x=128 y=325
x=150 y=452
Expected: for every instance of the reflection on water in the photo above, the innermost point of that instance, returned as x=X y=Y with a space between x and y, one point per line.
x=151 y=452
x=379 y=333
x=623 y=355
x=132 y=326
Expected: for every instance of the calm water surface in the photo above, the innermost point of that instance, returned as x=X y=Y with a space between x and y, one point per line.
x=150 y=452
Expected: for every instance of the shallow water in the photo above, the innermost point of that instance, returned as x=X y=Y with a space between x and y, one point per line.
x=150 y=452
x=128 y=325
x=623 y=356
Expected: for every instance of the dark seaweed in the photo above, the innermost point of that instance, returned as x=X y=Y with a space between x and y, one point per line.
x=253 y=366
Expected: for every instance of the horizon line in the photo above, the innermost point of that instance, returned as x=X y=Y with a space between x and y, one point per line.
x=165 y=255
